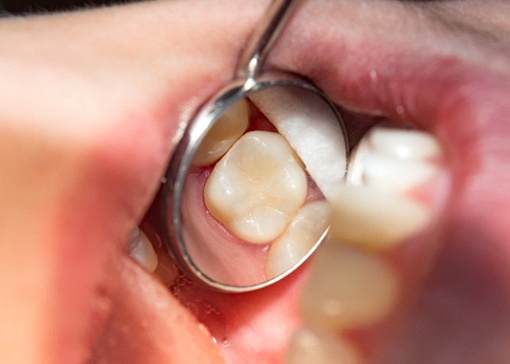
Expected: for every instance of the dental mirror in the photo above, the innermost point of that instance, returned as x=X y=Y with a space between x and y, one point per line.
x=245 y=198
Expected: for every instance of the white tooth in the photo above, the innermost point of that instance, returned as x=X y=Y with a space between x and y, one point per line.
x=141 y=249
x=257 y=187
x=347 y=288
x=303 y=233
x=404 y=143
x=311 y=129
x=393 y=159
x=312 y=346
x=394 y=175
x=227 y=129
x=373 y=219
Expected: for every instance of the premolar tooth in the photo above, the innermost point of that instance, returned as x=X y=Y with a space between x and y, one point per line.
x=141 y=249
x=227 y=129
x=347 y=288
x=373 y=219
x=256 y=188
x=306 y=229
x=311 y=346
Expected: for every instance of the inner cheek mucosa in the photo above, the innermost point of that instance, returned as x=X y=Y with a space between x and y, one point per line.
x=257 y=210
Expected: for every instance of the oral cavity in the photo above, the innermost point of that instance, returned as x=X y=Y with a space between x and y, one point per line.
x=353 y=285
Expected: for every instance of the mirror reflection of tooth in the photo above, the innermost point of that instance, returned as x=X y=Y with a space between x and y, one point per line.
x=141 y=249
x=257 y=187
x=312 y=129
x=404 y=143
x=227 y=129
x=312 y=346
x=304 y=231
x=348 y=288
x=376 y=220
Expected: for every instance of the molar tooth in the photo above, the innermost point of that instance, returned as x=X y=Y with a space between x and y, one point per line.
x=404 y=143
x=256 y=188
x=390 y=174
x=304 y=231
x=141 y=250
x=347 y=288
x=393 y=159
x=367 y=217
x=227 y=129
x=312 y=346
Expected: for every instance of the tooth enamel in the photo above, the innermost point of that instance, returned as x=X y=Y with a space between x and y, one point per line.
x=404 y=143
x=311 y=346
x=257 y=187
x=391 y=174
x=373 y=219
x=393 y=159
x=141 y=250
x=311 y=129
x=305 y=230
x=223 y=134
x=347 y=288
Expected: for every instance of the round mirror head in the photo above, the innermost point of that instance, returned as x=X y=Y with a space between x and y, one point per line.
x=247 y=188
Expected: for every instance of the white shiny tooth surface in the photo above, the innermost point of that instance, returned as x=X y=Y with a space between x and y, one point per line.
x=227 y=129
x=304 y=231
x=257 y=187
x=312 y=346
x=348 y=288
x=311 y=129
x=393 y=159
x=367 y=217
x=404 y=143
x=141 y=250
x=390 y=174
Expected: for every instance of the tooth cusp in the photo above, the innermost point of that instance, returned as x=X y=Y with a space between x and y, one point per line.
x=256 y=187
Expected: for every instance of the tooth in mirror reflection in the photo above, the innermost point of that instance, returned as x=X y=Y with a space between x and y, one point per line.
x=248 y=185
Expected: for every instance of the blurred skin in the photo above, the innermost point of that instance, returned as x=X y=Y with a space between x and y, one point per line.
x=91 y=106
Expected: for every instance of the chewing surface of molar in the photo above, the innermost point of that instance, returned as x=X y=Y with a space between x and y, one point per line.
x=313 y=131
x=348 y=288
x=141 y=249
x=227 y=129
x=304 y=231
x=393 y=159
x=315 y=346
x=257 y=187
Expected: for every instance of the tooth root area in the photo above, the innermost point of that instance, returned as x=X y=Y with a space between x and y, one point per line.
x=347 y=288
x=257 y=187
x=312 y=346
x=141 y=250
x=394 y=159
x=227 y=129
x=373 y=219
x=303 y=233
